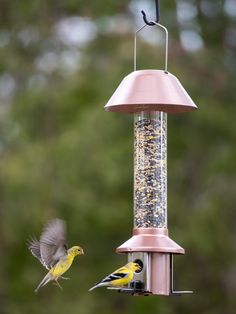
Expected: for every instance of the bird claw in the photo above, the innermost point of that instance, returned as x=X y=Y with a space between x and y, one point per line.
x=65 y=278
x=56 y=283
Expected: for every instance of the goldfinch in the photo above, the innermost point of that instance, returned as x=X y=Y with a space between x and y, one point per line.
x=119 y=277
x=51 y=251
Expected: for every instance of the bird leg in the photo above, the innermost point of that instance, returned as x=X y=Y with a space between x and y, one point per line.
x=57 y=283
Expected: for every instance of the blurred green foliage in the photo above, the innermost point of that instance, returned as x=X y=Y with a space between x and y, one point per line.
x=62 y=156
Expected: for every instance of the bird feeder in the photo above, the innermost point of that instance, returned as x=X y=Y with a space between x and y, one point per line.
x=150 y=95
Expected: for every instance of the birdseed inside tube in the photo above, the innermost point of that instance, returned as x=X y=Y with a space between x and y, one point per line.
x=150 y=170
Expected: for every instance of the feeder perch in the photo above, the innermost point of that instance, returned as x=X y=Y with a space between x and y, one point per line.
x=150 y=95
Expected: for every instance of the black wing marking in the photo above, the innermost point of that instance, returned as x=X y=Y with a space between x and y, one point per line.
x=114 y=276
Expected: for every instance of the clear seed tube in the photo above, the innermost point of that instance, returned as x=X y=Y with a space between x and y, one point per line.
x=150 y=170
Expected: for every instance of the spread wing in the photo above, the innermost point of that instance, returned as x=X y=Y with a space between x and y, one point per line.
x=53 y=243
x=34 y=247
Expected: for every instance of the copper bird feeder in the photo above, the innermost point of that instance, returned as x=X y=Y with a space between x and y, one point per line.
x=150 y=95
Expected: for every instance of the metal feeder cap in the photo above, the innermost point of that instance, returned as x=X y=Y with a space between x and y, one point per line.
x=154 y=240
x=150 y=90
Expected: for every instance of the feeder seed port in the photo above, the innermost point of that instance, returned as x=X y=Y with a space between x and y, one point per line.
x=138 y=261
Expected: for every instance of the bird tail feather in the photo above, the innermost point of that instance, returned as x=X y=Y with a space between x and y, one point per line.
x=45 y=280
x=101 y=284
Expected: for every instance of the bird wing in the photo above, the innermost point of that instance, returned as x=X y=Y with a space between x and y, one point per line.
x=114 y=276
x=34 y=247
x=120 y=273
x=119 y=277
x=53 y=243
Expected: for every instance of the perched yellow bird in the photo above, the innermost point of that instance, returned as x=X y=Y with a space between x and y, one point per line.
x=119 y=277
x=51 y=251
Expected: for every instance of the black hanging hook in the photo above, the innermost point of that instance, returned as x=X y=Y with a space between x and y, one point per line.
x=157 y=15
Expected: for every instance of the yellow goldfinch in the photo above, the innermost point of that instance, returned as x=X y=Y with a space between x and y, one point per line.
x=51 y=251
x=119 y=277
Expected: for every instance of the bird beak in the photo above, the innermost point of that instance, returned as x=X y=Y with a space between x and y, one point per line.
x=139 y=269
x=82 y=252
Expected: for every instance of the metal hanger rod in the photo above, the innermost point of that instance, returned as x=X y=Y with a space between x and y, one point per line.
x=152 y=23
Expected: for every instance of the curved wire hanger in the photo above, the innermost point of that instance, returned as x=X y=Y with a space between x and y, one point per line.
x=152 y=23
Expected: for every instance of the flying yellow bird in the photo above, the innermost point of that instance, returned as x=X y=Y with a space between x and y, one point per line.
x=51 y=251
x=119 y=277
